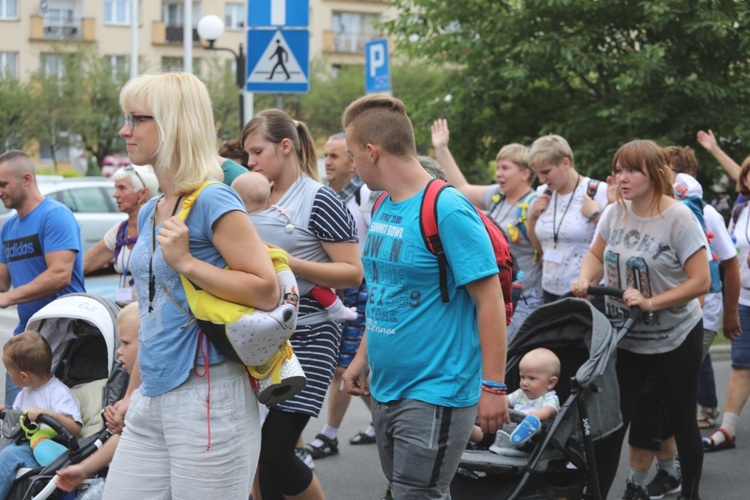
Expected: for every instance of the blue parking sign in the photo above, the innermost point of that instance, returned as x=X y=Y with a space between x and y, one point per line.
x=377 y=66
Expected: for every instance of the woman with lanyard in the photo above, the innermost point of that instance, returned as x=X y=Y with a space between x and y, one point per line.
x=654 y=247
x=134 y=186
x=508 y=203
x=310 y=222
x=563 y=217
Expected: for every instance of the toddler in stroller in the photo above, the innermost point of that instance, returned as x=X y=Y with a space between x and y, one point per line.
x=539 y=371
x=561 y=463
x=28 y=359
x=81 y=332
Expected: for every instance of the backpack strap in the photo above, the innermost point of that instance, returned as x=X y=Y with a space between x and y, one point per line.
x=429 y=229
x=592 y=188
x=522 y=213
x=377 y=203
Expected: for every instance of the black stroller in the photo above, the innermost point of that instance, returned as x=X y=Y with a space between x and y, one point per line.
x=562 y=463
x=81 y=330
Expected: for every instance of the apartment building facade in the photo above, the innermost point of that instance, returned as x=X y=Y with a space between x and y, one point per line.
x=339 y=30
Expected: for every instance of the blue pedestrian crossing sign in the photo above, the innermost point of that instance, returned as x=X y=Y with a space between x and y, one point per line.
x=377 y=67
x=281 y=13
x=278 y=61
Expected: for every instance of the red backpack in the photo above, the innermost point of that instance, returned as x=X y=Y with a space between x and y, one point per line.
x=429 y=229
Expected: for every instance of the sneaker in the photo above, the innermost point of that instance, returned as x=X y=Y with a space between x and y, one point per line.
x=502 y=442
x=528 y=428
x=305 y=456
x=663 y=484
x=635 y=491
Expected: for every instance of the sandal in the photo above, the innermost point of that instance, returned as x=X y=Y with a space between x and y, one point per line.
x=329 y=447
x=707 y=417
x=729 y=442
x=362 y=438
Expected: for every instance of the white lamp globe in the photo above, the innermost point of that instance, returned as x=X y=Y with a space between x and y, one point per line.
x=210 y=27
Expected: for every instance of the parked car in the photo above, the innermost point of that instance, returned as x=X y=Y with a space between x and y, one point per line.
x=90 y=200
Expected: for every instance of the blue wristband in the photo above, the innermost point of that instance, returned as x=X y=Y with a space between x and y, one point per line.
x=494 y=385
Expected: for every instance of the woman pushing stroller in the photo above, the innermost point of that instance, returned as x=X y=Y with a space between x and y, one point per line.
x=652 y=245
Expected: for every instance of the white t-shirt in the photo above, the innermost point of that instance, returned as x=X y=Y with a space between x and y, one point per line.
x=724 y=248
x=361 y=214
x=519 y=402
x=741 y=232
x=54 y=396
x=562 y=260
x=649 y=254
x=122 y=262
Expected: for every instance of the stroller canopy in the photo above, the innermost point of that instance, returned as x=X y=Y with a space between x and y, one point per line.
x=73 y=317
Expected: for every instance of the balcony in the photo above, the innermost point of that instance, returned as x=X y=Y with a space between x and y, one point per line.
x=68 y=30
x=161 y=34
x=347 y=43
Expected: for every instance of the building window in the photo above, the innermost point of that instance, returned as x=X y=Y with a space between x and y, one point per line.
x=120 y=65
x=117 y=11
x=235 y=17
x=173 y=13
x=59 y=24
x=52 y=65
x=8 y=9
x=353 y=29
x=9 y=64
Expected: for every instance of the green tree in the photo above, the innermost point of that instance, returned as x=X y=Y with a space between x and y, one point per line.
x=329 y=95
x=222 y=86
x=98 y=119
x=54 y=99
x=598 y=73
x=14 y=98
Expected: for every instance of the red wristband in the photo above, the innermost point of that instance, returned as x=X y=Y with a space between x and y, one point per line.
x=498 y=392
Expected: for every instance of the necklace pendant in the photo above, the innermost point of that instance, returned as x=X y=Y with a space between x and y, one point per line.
x=289 y=228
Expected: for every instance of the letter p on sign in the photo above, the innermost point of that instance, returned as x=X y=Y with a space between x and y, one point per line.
x=377 y=68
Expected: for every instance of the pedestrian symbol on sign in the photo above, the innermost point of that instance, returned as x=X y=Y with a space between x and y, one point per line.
x=277 y=63
x=282 y=56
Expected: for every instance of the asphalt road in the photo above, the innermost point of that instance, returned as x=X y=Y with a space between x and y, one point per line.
x=355 y=474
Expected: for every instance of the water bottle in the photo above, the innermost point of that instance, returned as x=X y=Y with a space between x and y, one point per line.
x=517 y=287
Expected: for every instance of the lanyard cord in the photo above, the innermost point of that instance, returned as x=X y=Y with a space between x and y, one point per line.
x=151 y=278
x=556 y=232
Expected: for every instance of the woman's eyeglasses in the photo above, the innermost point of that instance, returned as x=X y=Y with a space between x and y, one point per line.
x=131 y=119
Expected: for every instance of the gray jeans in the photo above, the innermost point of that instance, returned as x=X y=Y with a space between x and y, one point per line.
x=420 y=445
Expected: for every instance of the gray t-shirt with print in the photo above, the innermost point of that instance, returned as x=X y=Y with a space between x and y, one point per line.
x=505 y=215
x=649 y=254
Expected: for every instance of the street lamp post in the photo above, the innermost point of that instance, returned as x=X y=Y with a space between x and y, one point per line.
x=210 y=28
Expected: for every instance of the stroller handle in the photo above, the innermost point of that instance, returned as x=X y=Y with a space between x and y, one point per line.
x=635 y=311
x=60 y=429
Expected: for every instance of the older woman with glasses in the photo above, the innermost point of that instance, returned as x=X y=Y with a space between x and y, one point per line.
x=134 y=186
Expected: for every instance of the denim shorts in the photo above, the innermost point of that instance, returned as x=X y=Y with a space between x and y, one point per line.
x=741 y=346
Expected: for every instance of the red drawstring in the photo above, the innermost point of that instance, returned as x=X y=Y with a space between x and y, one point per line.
x=203 y=353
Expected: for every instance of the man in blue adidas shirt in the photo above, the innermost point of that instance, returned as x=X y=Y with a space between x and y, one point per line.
x=41 y=257
x=435 y=367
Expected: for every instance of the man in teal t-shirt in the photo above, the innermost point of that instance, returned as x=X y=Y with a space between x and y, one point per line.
x=435 y=367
